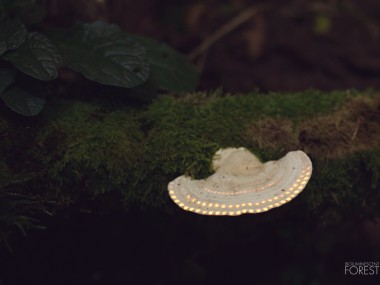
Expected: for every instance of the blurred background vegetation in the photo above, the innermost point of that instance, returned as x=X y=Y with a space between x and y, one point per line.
x=287 y=45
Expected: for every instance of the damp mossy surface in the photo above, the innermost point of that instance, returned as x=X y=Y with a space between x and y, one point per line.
x=127 y=155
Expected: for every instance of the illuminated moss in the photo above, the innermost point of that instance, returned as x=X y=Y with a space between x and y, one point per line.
x=91 y=145
x=78 y=149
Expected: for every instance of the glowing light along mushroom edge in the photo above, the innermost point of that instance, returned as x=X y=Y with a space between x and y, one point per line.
x=242 y=184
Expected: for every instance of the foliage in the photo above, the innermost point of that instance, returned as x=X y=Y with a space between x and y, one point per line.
x=99 y=51
x=103 y=53
x=37 y=57
x=164 y=65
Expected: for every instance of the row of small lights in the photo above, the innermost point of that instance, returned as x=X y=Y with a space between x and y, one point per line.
x=296 y=188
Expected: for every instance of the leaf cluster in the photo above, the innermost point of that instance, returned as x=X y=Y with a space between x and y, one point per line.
x=99 y=51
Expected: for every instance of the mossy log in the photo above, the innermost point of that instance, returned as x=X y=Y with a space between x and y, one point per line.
x=123 y=156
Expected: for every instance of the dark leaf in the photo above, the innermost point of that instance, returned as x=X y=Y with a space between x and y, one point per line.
x=170 y=70
x=7 y=77
x=12 y=34
x=103 y=53
x=22 y=101
x=38 y=57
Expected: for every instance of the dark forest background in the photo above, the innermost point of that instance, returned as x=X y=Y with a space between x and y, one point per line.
x=288 y=45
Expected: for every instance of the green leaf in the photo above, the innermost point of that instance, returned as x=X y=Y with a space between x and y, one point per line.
x=22 y=101
x=7 y=77
x=12 y=34
x=103 y=53
x=170 y=70
x=38 y=57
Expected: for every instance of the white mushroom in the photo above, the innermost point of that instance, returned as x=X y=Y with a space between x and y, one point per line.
x=242 y=184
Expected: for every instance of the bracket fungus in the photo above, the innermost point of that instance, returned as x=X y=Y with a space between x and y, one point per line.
x=242 y=184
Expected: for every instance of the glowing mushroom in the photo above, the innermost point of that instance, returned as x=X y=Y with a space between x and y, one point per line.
x=242 y=184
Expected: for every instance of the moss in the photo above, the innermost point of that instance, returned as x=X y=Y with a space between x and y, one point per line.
x=88 y=142
x=372 y=163
x=168 y=154
x=353 y=127
x=340 y=189
x=81 y=149
x=293 y=105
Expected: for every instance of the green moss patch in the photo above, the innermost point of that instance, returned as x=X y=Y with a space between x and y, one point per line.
x=82 y=149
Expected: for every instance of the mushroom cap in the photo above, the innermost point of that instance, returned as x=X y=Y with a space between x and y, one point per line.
x=242 y=184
